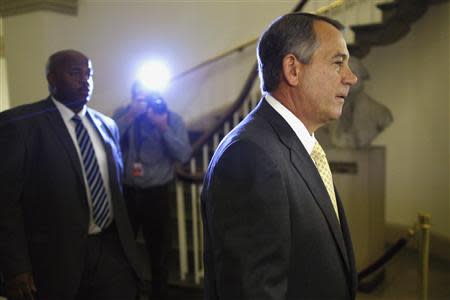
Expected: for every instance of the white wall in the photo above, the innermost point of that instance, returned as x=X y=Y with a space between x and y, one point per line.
x=411 y=77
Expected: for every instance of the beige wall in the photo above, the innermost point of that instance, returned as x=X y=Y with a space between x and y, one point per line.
x=411 y=78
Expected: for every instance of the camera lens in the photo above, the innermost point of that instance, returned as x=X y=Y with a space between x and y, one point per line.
x=157 y=105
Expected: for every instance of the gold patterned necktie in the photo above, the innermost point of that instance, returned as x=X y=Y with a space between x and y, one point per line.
x=320 y=160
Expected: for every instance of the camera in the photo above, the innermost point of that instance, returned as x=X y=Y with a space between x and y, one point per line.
x=157 y=104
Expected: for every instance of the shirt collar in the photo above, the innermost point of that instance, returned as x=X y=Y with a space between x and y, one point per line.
x=295 y=123
x=66 y=113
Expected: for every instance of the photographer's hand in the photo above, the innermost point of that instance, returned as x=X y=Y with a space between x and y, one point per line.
x=135 y=109
x=159 y=120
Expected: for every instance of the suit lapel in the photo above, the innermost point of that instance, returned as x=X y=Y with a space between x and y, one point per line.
x=308 y=171
x=59 y=128
x=306 y=168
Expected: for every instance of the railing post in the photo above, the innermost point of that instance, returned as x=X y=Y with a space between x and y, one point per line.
x=182 y=242
x=226 y=128
x=235 y=119
x=195 y=235
x=245 y=108
x=424 y=252
x=215 y=141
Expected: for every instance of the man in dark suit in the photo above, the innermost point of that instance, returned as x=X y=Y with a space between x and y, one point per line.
x=274 y=226
x=64 y=230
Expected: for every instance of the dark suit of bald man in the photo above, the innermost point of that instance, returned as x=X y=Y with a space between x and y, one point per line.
x=44 y=212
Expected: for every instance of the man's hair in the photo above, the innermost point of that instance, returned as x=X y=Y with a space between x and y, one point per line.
x=58 y=58
x=55 y=60
x=291 y=33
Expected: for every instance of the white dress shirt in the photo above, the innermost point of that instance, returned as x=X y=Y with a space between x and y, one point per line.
x=100 y=154
x=299 y=128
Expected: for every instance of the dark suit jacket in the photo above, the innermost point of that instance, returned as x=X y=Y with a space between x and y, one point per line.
x=270 y=228
x=44 y=215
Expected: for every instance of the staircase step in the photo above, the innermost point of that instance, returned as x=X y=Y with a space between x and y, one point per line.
x=389 y=10
x=175 y=293
x=380 y=34
x=188 y=284
x=411 y=10
x=358 y=50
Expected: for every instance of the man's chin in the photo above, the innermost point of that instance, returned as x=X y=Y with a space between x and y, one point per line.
x=77 y=105
x=335 y=115
x=80 y=102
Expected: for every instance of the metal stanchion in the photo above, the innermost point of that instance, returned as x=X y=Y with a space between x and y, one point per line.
x=424 y=253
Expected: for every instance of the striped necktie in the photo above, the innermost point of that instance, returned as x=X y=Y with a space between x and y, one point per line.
x=100 y=205
x=320 y=160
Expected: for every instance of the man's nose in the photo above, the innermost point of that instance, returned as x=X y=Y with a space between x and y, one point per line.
x=350 y=78
x=86 y=78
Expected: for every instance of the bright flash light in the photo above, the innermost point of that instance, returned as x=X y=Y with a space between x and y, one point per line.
x=154 y=76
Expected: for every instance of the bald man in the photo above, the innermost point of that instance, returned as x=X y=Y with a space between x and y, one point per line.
x=64 y=230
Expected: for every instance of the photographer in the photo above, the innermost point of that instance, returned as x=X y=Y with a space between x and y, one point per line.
x=153 y=140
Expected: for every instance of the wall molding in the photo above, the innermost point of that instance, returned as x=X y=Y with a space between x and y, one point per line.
x=439 y=244
x=17 y=7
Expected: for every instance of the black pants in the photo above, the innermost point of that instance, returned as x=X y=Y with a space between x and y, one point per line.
x=150 y=209
x=107 y=274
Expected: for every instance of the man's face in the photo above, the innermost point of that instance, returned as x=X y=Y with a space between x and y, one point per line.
x=326 y=80
x=140 y=93
x=139 y=98
x=71 y=80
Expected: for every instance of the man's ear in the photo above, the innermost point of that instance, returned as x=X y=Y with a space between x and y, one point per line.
x=291 y=69
x=51 y=80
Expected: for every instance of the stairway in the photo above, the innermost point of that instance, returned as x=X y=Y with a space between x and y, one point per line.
x=395 y=18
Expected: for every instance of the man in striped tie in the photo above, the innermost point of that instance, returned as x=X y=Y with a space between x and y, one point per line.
x=64 y=230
